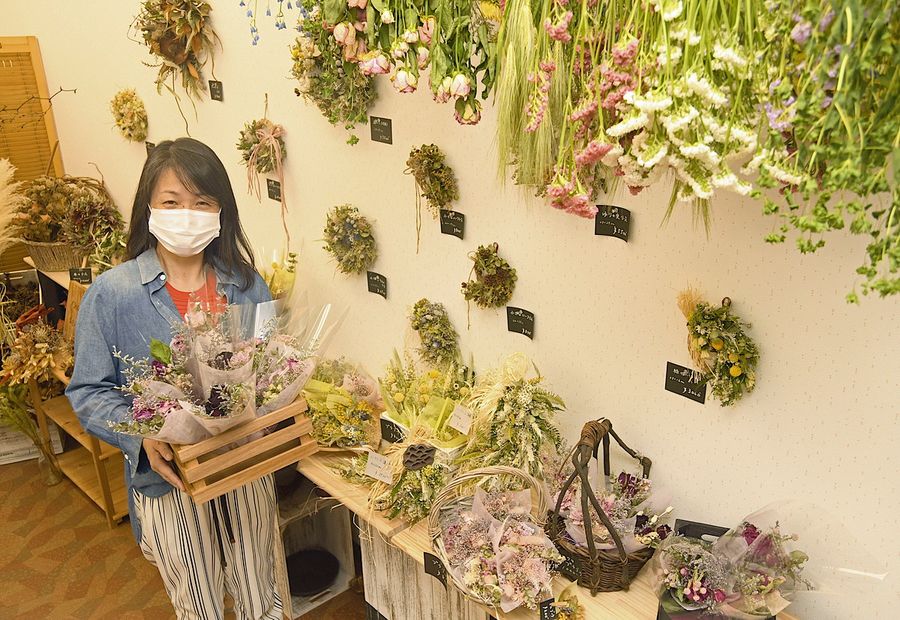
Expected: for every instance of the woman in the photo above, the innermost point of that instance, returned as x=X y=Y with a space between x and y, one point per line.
x=185 y=238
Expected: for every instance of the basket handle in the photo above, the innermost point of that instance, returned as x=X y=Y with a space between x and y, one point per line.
x=449 y=493
x=596 y=432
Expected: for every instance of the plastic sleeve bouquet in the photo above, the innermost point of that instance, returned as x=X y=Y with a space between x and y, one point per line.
x=344 y=403
x=750 y=572
x=498 y=552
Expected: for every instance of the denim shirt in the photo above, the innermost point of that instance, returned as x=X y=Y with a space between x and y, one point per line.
x=123 y=310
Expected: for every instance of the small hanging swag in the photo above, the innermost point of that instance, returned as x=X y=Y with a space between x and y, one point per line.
x=495 y=279
x=435 y=182
x=263 y=151
x=130 y=115
x=440 y=342
x=181 y=38
x=720 y=348
x=348 y=238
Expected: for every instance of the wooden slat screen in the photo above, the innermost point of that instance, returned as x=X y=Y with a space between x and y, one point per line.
x=27 y=129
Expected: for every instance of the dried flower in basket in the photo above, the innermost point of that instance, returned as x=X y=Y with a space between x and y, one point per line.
x=515 y=420
x=495 y=279
x=328 y=77
x=720 y=347
x=435 y=182
x=628 y=503
x=349 y=239
x=130 y=115
x=440 y=342
x=495 y=550
x=179 y=35
x=77 y=211
x=262 y=148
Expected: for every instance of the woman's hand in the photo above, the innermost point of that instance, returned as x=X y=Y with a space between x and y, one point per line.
x=160 y=455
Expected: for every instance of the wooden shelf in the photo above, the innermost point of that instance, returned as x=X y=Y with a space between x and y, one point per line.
x=638 y=603
x=78 y=466
x=301 y=502
x=60 y=411
x=60 y=277
x=320 y=469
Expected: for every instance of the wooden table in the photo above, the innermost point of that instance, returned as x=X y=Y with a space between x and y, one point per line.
x=398 y=587
x=60 y=277
x=320 y=468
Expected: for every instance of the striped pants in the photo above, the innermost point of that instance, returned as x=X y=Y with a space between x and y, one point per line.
x=202 y=550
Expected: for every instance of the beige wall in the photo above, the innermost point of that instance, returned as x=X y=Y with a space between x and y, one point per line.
x=822 y=423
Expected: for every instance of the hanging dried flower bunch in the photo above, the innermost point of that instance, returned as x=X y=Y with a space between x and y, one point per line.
x=349 y=239
x=327 y=76
x=440 y=342
x=720 y=348
x=435 y=182
x=130 y=115
x=179 y=34
x=37 y=350
x=262 y=148
x=494 y=281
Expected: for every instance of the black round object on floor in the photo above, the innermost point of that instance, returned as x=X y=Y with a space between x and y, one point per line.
x=311 y=571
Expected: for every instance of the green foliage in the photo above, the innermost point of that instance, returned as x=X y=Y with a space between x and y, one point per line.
x=440 y=342
x=434 y=178
x=726 y=354
x=341 y=92
x=349 y=239
x=178 y=34
x=495 y=279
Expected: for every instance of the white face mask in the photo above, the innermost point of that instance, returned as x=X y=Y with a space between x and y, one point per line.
x=184 y=232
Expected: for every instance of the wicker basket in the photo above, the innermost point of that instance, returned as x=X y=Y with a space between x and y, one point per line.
x=54 y=256
x=599 y=570
x=452 y=494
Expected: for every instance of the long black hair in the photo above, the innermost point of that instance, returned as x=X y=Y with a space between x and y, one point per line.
x=201 y=171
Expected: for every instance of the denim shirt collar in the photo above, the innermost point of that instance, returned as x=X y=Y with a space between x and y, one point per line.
x=150 y=268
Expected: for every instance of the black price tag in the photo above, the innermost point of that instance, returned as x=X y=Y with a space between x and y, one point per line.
x=274 y=189
x=569 y=568
x=149 y=146
x=435 y=568
x=377 y=283
x=548 y=609
x=612 y=221
x=390 y=432
x=520 y=321
x=453 y=223
x=215 y=91
x=381 y=129
x=686 y=382
x=82 y=275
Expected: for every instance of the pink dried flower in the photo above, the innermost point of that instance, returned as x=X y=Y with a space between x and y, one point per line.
x=592 y=153
x=585 y=112
x=560 y=31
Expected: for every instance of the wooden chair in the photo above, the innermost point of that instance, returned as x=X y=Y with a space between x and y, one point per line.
x=94 y=466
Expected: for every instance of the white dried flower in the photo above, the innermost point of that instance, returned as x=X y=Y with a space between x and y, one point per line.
x=629 y=124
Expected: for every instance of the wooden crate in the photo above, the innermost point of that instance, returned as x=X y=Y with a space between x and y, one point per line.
x=209 y=469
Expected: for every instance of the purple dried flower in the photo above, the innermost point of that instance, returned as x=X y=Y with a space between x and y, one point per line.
x=826 y=20
x=801 y=32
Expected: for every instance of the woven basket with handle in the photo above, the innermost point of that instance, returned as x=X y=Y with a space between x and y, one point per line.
x=54 y=255
x=599 y=570
x=459 y=490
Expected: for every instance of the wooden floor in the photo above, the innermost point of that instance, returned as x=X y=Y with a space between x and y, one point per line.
x=58 y=560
